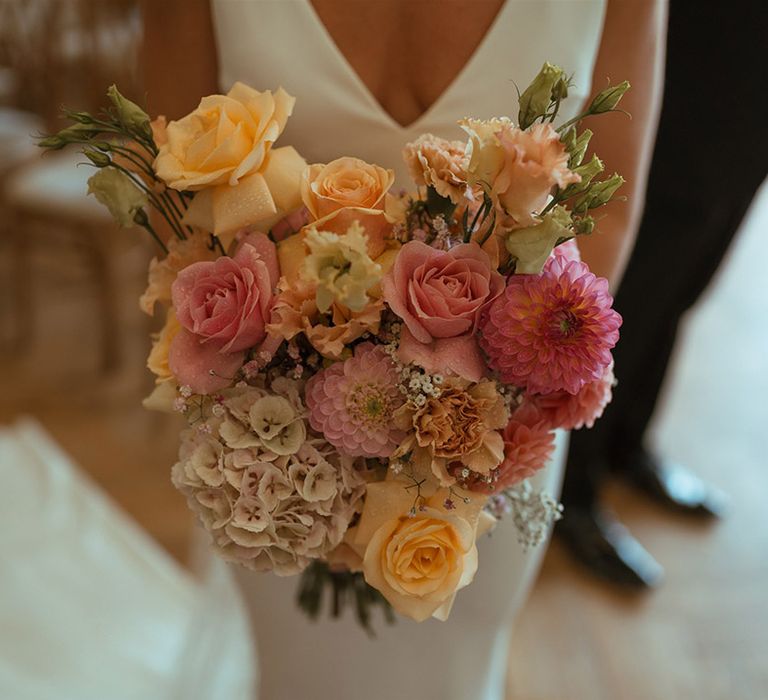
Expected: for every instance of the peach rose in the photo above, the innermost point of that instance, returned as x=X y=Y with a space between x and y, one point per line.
x=439 y=296
x=223 y=150
x=438 y=163
x=345 y=190
x=520 y=167
x=418 y=560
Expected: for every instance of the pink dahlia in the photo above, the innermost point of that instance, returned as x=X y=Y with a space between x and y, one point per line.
x=553 y=331
x=528 y=445
x=574 y=411
x=351 y=403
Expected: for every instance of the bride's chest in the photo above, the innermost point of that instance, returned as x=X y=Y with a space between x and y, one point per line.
x=407 y=53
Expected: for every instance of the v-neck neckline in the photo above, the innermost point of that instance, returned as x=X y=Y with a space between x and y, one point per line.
x=365 y=91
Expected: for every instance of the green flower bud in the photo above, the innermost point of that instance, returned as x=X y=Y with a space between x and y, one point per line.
x=118 y=193
x=560 y=89
x=532 y=245
x=535 y=100
x=587 y=172
x=583 y=226
x=52 y=143
x=80 y=117
x=579 y=148
x=598 y=194
x=131 y=116
x=97 y=158
x=607 y=100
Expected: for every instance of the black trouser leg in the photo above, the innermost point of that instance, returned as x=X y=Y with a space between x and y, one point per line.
x=652 y=303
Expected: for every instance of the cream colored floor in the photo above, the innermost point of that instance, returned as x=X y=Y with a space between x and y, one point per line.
x=703 y=635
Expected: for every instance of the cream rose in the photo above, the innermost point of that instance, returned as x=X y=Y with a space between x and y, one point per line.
x=223 y=150
x=345 y=190
x=418 y=560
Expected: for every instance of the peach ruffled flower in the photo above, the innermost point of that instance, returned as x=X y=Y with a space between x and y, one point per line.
x=528 y=445
x=438 y=163
x=295 y=311
x=455 y=430
x=520 y=167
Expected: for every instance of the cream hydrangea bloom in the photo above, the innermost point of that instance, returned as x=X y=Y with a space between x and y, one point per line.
x=340 y=268
x=264 y=509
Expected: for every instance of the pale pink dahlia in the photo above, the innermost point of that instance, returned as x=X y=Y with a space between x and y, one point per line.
x=574 y=411
x=553 y=331
x=528 y=445
x=351 y=403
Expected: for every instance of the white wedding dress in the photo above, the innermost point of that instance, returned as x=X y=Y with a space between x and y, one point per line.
x=273 y=43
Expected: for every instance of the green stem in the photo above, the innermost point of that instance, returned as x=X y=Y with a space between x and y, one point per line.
x=153 y=198
x=555 y=201
x=138 y=160
x=154 y=235
x=560 y=129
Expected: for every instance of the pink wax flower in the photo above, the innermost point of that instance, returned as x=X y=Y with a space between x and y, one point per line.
x=528 y=445
x=553 y=331
x=574 y=411
x=439 y=296
x=352 y=403
x=222 y=306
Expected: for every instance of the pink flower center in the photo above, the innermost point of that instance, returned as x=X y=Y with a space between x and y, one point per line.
x=565 y=323
x=369 y=404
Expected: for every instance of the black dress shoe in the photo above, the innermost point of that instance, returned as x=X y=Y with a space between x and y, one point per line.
x=673 y=484
x=607 y=548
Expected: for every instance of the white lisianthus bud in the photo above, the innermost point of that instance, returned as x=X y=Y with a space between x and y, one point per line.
x=118 y=193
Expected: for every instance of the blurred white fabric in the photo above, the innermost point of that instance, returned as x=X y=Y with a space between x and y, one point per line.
x=90 y=607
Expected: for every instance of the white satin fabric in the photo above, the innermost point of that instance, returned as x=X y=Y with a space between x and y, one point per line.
x=464 y=658
x=271 y=43
x=91 y=608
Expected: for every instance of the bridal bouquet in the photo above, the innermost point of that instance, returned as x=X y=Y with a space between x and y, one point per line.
x=369 y=375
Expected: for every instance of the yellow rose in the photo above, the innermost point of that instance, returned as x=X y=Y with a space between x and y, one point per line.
x=345 y=190
x=419 y=560
x=223 y=150
x=157 y=362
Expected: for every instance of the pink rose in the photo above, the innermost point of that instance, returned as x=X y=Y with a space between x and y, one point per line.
x=439 y=296
x=223 y=307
